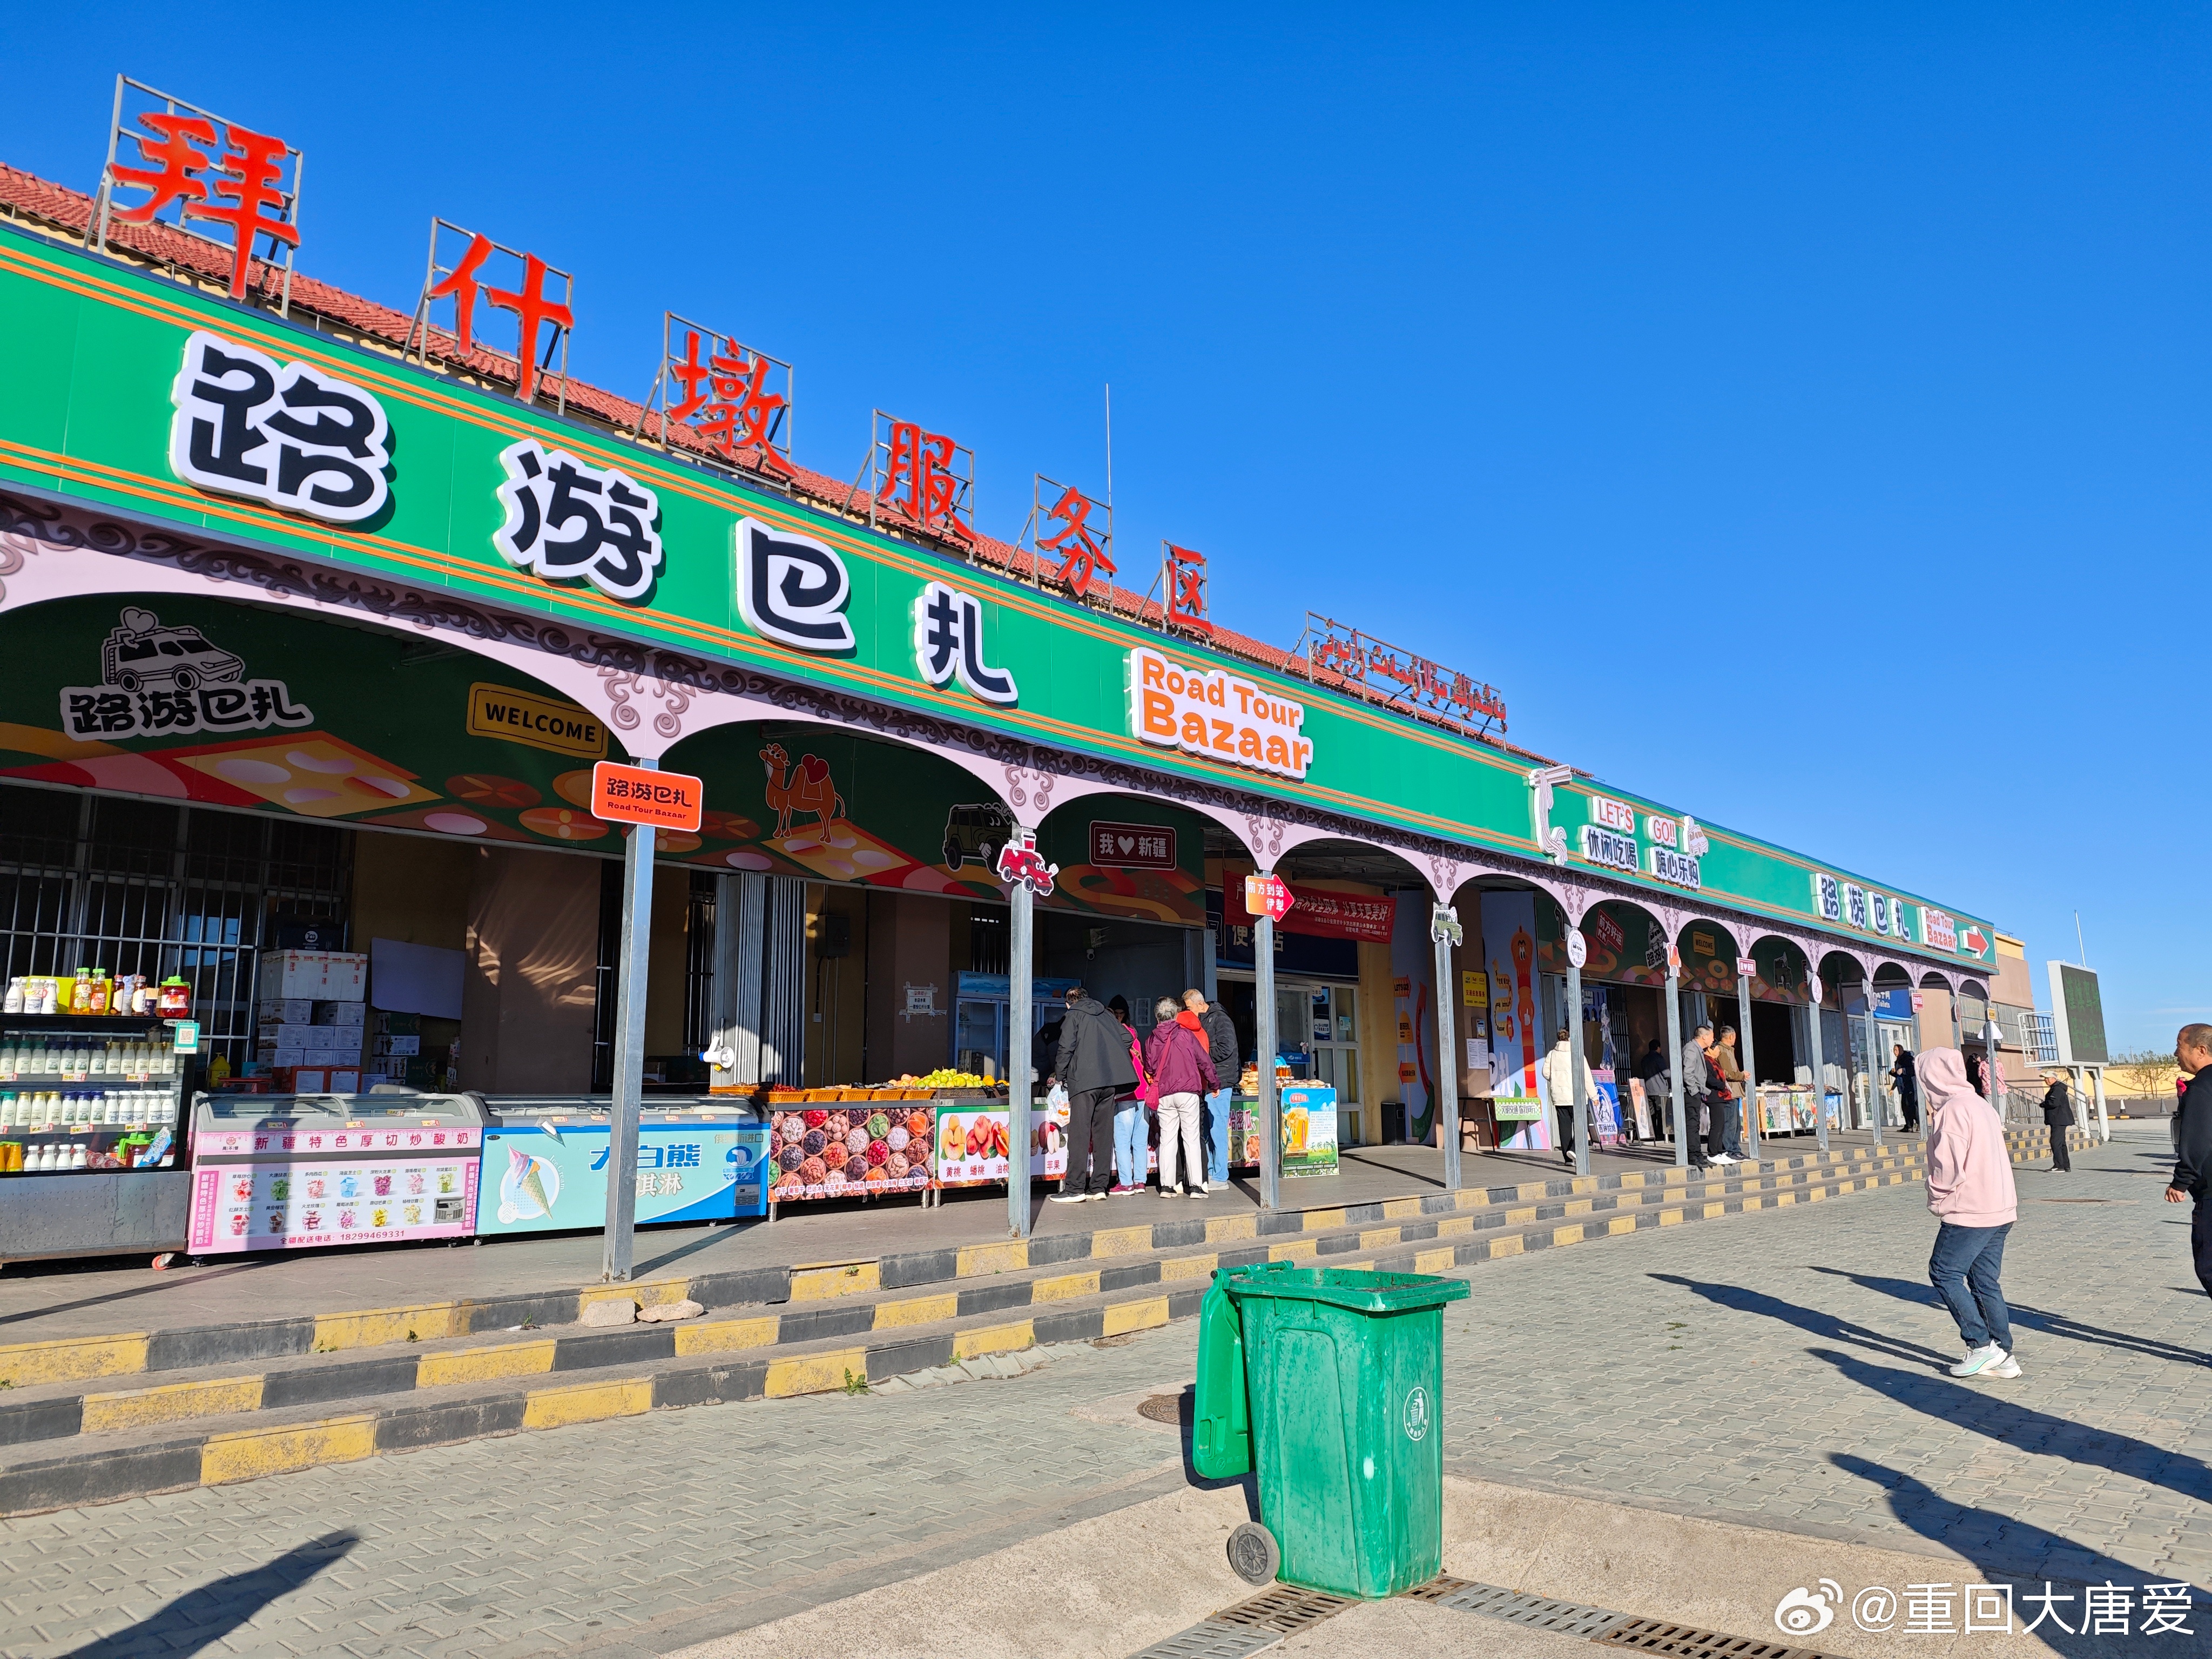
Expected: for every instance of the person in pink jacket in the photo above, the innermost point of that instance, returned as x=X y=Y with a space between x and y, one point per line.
x=1970 y=1189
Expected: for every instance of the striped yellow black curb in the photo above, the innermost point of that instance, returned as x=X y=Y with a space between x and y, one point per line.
x=133 y=1409
x=193 y=1348
x=225 y=1454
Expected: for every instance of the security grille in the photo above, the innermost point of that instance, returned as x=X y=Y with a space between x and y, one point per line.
x=143 y=887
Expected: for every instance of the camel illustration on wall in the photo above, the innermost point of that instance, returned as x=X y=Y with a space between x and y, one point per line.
x=807 y=788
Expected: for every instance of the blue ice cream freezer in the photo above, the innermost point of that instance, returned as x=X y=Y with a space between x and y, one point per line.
x=545 y=1161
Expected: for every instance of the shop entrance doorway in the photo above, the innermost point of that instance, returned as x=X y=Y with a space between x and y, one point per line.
x=1316 y=1036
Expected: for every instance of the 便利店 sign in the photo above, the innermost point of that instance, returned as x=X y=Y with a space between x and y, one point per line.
x=638 y=795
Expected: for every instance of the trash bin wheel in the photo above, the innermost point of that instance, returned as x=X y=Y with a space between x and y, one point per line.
x=1253 y=1555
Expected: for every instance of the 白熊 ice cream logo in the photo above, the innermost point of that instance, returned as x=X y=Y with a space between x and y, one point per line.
x=1215 y=713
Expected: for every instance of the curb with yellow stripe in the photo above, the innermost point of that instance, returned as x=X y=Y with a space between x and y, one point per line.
x=231 y=1455
x=1322 y=1234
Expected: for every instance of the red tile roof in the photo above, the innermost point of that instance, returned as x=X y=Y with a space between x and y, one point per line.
x=26 y=195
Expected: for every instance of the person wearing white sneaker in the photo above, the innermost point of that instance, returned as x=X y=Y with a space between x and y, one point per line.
x=1970 y=1190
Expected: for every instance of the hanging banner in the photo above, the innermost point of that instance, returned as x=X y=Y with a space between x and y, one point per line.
x=1322 y=912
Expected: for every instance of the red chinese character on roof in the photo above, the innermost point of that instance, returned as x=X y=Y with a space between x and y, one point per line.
x=237 y=187
x=1087 y=557
x=921 y=462
x=728 y=393
x=1186 y=591
x=531 y=306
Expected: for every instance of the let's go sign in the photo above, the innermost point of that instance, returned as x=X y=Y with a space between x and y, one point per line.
x=1211 y=713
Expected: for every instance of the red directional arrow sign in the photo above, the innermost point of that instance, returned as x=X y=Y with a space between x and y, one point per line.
x=1268 y=896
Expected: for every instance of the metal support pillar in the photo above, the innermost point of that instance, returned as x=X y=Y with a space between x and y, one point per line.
x=1820 y=1077
x=1575 y=1062
x=2104 y=1121
x=1749 y=1104
x=1874 y=1065
x=1263 y=1019
x=1674 y=1068
x=1021 y=1092
x=1447 y=1059
x=620 y=1243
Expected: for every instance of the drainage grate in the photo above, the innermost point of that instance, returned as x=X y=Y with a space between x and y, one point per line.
x=1282 y=1610
x=1212 y=1640
x=1567 y=1618
x=1686 y=1642
x=1163 y=1408
x=1439 y=1587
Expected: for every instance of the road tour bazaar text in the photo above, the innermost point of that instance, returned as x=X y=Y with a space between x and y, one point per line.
x=1212 y=712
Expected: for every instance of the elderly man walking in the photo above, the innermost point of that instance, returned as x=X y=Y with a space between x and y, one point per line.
x=1697 y=1085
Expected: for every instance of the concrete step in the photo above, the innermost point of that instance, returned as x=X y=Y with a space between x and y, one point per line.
x=296 y=1415
x=1164 y=1251
x=1155 y=1224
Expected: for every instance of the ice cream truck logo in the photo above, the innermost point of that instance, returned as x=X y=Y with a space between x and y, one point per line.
x=171 y=682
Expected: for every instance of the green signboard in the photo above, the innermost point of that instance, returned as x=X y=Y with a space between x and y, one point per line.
x=153 y=401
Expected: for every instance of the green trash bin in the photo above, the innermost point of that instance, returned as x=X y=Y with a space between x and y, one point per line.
x=1328 y=1382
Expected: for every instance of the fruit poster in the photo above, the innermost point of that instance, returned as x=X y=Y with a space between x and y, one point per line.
x=1308 y=1128
x=1508 y=952
x=849 y=1149
x=972 y=1146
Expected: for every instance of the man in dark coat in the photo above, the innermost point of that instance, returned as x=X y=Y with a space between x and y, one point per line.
x=1908 y=1087
x=1094 y=1065
x=1221 y=1048
x=2059 y=1113
x=2192 y=1144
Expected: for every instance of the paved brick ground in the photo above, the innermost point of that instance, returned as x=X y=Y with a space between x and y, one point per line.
x=1780 y=1368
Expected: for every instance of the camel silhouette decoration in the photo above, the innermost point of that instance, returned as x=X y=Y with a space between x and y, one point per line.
x=808 y=789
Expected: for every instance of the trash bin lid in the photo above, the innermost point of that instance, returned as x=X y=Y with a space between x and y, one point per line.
x=1345 y=1287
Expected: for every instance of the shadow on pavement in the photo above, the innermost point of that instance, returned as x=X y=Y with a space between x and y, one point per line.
x=202 y=1618
x=2034 y=1319
x=2028 y=1430
x=1808 y=1320
x=2001 y=1549
x=176 y=1282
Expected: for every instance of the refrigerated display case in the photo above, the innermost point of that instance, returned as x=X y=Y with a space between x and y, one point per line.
x=545 y=1157
x=90 y=1129
x=982 y=1008
x=289 y=1172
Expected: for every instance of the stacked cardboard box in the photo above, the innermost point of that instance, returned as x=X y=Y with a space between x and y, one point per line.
x=311 y=1020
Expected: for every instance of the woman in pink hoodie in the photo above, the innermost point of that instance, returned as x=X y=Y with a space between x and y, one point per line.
x=1970 y=1189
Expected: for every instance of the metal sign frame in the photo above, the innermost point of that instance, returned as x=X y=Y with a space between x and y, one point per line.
x=881 y=472
x=675 y=325
x=1426 y=688
x=104 y=203
x=417 y=343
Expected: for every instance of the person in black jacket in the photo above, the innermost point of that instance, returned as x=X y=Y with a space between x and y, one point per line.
x=1907 y=1083
x=2058 y=1113
x=1094 y=1065
x=2192 y=1144
x=1221 y=1049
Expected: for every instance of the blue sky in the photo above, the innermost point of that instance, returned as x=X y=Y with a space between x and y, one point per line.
x=1796 y=411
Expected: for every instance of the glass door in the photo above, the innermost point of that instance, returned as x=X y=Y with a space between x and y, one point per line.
x=1334 y=1012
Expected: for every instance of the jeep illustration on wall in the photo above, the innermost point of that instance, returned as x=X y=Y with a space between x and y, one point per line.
x=973 y=834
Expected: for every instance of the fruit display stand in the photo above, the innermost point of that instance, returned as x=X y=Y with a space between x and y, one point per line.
x=849 y=1142
x=1784 y=1111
